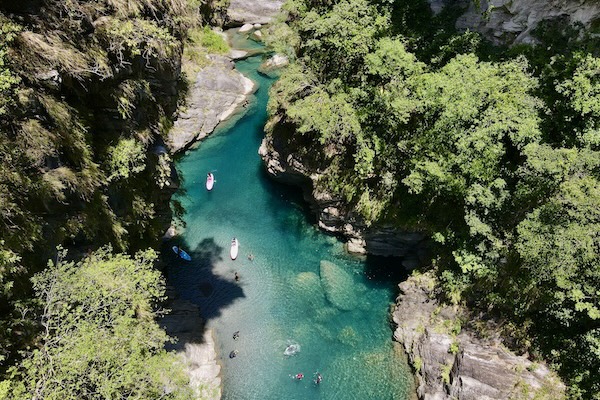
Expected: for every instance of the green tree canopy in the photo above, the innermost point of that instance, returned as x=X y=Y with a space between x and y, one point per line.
x=100 y=338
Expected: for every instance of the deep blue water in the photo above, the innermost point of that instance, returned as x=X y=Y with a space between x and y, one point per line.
x=337 y=313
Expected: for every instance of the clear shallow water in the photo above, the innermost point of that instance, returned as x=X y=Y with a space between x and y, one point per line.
x=338 y=312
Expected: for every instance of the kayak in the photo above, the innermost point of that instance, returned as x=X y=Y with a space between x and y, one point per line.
x=210 y=181
x=181 y=253
x=233 y=252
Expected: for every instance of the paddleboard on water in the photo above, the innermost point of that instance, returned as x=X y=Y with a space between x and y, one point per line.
x=233 y=252
x=210 y=181
x=181 y=253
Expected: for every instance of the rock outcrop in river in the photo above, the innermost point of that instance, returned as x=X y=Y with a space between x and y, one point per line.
x=452 y=362
x=217 y=91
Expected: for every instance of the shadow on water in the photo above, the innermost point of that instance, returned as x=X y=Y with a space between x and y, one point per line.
x=287 y=193
x=382 y=271
x=196 y=280
x=385 y=269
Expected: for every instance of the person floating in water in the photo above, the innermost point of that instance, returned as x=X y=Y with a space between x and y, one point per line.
x=236 y=335
x=233 y=354
x=236 y=277
x=318 y=378
x=250 y=256
x=299 y=376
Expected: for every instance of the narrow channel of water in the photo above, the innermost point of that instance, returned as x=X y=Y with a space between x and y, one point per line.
x=301 y=287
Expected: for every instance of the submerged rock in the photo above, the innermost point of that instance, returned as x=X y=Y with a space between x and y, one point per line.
x=339 y=286
x=349 y=336
x=309 y=287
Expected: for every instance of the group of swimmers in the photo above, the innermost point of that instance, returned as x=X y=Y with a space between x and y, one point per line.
x=236 y=276
x=299 y=376
x=318 y=377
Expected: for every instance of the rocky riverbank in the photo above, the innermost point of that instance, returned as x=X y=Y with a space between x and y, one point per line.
x=455 y=362
x=216 y=93
x=195 y=346
x=334 y=215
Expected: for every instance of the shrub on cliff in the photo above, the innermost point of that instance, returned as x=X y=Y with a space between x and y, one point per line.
x=85 y=87
x=100 y=338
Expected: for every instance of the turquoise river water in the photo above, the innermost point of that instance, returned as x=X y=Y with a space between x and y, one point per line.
x=338 y=313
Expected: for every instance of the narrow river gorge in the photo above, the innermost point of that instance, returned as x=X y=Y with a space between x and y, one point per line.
x=300 y=287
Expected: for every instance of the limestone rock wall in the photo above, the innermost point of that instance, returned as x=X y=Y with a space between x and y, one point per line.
x=512 y=21
x=253 y=11
x=451 y=362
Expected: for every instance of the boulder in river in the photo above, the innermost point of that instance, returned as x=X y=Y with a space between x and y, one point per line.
x=274 y=65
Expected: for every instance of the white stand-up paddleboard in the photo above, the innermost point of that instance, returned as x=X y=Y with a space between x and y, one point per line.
x=233 y=252
x=210 y=181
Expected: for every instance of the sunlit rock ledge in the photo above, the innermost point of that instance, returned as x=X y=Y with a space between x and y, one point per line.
x=218 y=90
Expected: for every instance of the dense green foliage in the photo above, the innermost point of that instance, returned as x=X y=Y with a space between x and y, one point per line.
x=87 y=93
x=493 y=152
x=99 y=337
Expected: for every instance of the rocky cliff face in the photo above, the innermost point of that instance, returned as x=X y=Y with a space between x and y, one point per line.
x=253 y=11
x=512 y=21
x=334 y=215
x=91 y=91
x=451 y=362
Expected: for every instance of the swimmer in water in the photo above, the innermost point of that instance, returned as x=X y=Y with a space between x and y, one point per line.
x=319 y=378
x=236 y=335
x=299 y=376
x=250 y=256
x=233 y=354
x=236 y=277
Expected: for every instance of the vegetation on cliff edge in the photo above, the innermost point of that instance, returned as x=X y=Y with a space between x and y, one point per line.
x=493 y=152
x=87 y=92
